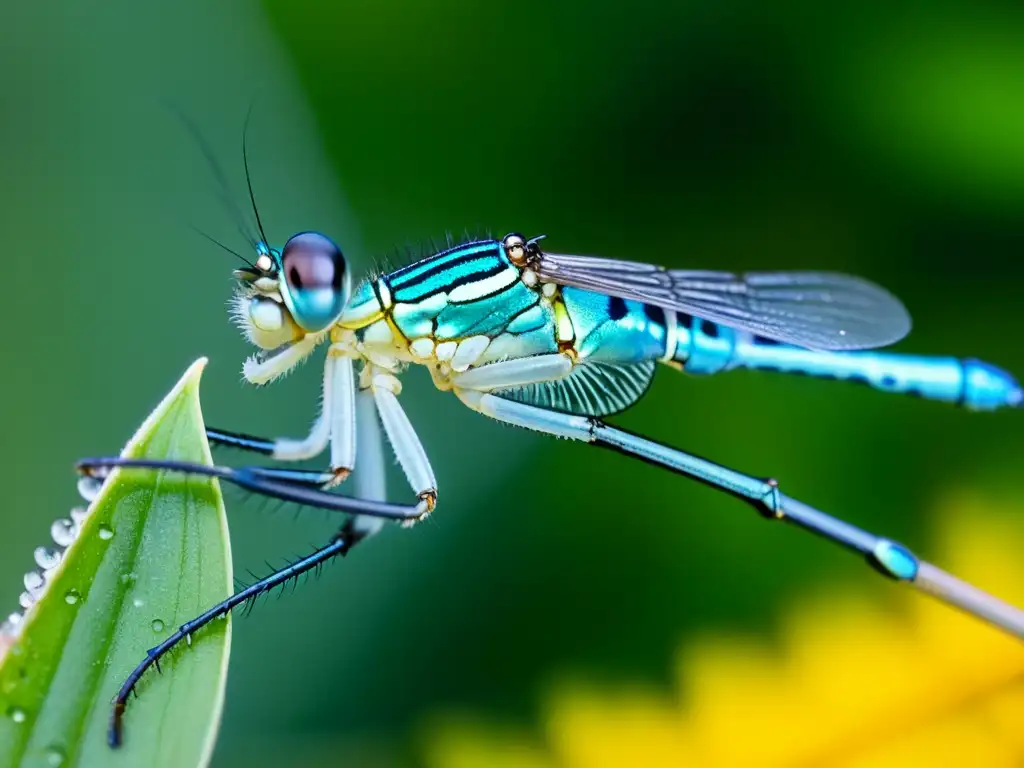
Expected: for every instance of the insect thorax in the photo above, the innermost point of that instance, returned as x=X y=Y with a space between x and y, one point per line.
x=470 y=305
x=465 y=306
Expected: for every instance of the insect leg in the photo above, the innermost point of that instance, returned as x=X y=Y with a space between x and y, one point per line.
x=342 y=542
x=371 y=477
x=884 y=555
x=342 y=417
x=514 y=373
x=403 y=438
x=298 y=486
x=370 y=484
x=338 y=386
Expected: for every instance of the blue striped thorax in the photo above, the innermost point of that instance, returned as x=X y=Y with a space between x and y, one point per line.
x=466 y=305
x=467 y=290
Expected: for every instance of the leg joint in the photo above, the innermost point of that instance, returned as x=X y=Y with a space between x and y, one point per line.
x=770 y=502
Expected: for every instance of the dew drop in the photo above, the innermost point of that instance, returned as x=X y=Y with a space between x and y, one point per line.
x=78 y=515
x=89 y=487
x=129 y=578
x=138 y=602
x=72 y=596
x=158 y=625
x=34 y=580
x=26 y=600
x=63 y=532
x=17 y=714
x=55 y=756
x=47 y=558
x=106 y=532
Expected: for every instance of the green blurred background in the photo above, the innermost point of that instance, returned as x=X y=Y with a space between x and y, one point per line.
x=713 y=133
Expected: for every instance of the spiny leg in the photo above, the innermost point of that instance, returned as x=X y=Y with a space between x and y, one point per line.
x=371 y=477
x=341 y=544
x=338 y=426
x=399 y=430
x=888 y=557
x=514 y=373
x=331 y=426
x=371 y=486
x=299 y=486
x=263 y=371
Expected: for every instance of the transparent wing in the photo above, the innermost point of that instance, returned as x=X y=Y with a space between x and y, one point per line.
x=591 y=389
x=817 y=310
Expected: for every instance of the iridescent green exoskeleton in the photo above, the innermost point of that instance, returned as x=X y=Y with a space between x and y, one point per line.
x=556 y=344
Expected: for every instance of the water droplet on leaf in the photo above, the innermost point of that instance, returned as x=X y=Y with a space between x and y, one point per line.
x=89 y=487
x=34 y=580
x=47 y=558
x=63 y=532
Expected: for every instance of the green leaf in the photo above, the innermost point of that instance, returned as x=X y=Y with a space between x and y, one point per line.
x=151 y=552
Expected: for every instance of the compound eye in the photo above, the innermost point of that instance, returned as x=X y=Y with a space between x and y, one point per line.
x=314 y=280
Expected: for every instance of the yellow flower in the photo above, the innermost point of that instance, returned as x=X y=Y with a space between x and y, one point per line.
x=855 y=684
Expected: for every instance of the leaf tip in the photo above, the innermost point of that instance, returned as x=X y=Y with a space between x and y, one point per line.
x=188 y=383
x=65 y=532
x=189 y=380
x=196 y=370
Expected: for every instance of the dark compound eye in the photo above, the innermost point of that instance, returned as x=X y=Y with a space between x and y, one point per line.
x=311 y=261
x=314 y=273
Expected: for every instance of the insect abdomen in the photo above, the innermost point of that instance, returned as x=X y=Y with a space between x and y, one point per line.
x=700 y=346
x=614 y=330
x=970 y=383
x=703 y=347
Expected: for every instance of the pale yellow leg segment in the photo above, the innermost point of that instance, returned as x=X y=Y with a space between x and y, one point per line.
x=290 y=449
x=342 y=415
x=257 y=372
x=528 y=416
x=371 y=477
x=403 y=438
x=514 y=373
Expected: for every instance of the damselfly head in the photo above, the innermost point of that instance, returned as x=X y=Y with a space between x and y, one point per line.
x=520 y=251
x=289 y=293
x=315 y=282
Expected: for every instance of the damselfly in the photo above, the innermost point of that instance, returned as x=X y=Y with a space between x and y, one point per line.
x=556 y=344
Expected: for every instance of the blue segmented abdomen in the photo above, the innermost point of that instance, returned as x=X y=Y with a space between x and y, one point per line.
x=704 y=347
x=614 y=330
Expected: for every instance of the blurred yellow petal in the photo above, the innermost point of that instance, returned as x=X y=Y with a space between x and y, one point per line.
x=591 y=730
x=455 y=742
x=728 y=683
x=954 y=743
